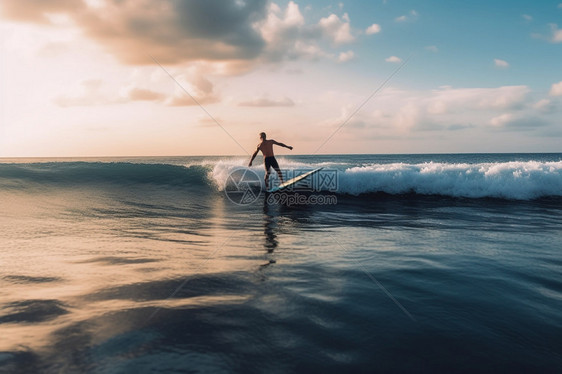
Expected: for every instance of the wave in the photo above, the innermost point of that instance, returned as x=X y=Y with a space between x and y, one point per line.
x=77 y=173
x=508 y=180
x=521 y=180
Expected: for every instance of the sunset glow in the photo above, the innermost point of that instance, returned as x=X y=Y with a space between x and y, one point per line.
x=79 y=78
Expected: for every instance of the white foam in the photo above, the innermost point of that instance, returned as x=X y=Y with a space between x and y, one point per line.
x=511 y=180
x=223 y=168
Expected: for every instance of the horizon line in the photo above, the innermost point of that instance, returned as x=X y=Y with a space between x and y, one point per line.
x=279 y=155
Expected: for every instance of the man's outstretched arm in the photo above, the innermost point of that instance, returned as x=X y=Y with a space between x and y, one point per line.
x=282 y=145
x=253 y=156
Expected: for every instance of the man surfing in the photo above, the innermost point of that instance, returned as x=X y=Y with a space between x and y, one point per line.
x=266 y=148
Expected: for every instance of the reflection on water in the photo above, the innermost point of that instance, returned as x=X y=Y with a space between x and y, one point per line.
x=263 y=288
x=269 y=227
x=87 y=267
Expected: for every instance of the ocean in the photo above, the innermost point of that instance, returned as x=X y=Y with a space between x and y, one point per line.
x=445 y=263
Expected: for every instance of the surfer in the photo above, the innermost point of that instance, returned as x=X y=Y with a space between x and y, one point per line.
x=266 y=148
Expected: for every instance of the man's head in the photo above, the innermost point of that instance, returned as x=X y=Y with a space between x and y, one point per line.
x=263 y=136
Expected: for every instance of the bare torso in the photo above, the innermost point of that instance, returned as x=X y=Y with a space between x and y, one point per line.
x=266 y=147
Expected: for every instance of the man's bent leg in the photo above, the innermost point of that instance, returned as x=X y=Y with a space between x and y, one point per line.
x=279 y=173
x=267 y=180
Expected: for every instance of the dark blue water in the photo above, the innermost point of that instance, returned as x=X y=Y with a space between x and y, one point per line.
x=424 y=263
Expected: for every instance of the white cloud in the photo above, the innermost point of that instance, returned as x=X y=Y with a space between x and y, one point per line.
x=282 y=33
x=517 y=122
x=140 y=87
x=544 y=105
x=501 y=120
x=541 y=103
x=90 y=93
x=556 y=36
x=198 y=86
x=527 y=17
x=501 y=63
x=448 y=108
x=556 y=89
x=266 y=102
x=373 y=29
x=143 y=94
x=393 y=59
x=432 y=48
x=287 y=36
x=504 y=97
x=346 y=56
x=406 y=17
x=336 y=30
x=236 y=36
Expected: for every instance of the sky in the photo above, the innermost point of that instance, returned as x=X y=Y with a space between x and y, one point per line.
x=99 y=78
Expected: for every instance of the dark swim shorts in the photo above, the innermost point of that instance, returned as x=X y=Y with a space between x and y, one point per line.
x=270 y=162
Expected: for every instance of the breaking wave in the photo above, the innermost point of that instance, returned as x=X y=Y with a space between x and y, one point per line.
x=520 y=180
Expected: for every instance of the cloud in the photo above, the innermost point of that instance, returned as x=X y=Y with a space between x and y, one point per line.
x=501 y=120
x=446 y=114
x=407 y=17
x=545 y=105
x=446 y=109
x=510 y=121
x=501 y=63
x=90 y=93
x=141 y=94
x=527 y=17
x=231 y=37
x=288 y=37
x=37 y=11
x=432 y=48
x=346 y=56
x=556 y=89
x=556 y=33
x=337 y=30
x=201 y=90
x=294 y=71
x=173 y=31
x=95 y=92
x=177 y=31
x=184 y=100
x=393 y=59
x=265 y=102
x=373 y=29
x=505 y=97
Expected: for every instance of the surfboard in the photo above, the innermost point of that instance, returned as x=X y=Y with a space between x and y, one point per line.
x=291 y=182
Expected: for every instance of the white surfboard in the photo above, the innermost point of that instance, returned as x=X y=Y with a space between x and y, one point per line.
x=290 y=182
